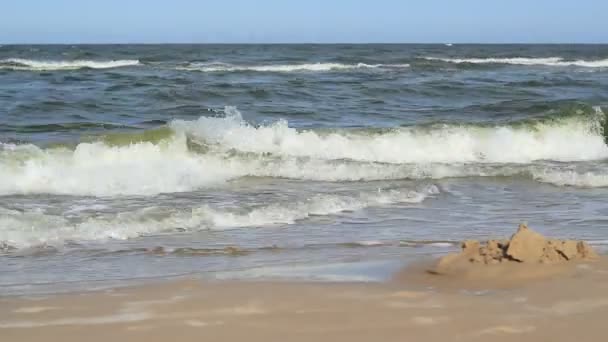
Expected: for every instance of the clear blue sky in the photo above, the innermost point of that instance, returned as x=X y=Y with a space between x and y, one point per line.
x=323 y=21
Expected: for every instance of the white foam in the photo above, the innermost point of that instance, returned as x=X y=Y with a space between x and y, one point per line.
x=35 y=228
x=148 y=169
x=98 y=169
x=572 y=178
x=277 y=150
x=315 y=206
x=30 y=64
x=310 y=67
x=370 y=243
x=442 y=244
x=568 y=140
x=549 y=61
x=7 y=146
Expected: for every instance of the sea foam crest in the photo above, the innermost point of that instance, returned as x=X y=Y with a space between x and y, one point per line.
x=589 y=179
x=310 y=67
x=34 y=228
x=30 y=64
x=232 y=148
x=570 y=139
x=548 y=61
x=95 y=168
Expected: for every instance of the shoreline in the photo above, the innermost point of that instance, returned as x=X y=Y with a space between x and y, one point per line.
x=557 y=308
x=371 y=271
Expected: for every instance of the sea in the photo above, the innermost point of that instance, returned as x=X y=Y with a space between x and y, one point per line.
x=125 y=164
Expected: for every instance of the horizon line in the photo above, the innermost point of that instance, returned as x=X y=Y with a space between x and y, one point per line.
x=305 y=43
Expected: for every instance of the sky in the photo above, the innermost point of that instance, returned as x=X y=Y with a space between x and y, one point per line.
x=300 y=21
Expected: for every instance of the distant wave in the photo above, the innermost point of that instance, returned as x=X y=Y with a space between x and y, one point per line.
x=35 y=65
x=549 y=61
x=311 y=67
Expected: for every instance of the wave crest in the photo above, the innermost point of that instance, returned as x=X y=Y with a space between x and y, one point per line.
x=567 y=139
x=548 y=61
x=309 y=67
x=49 y=65
x=16 y=228
x=190 y=155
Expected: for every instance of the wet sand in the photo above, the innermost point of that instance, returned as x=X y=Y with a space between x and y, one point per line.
x=559 y=306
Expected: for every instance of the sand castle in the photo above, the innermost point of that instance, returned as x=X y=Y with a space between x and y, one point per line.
x=525 y=246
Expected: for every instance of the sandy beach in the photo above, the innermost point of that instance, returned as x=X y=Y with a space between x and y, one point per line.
x=559 y=306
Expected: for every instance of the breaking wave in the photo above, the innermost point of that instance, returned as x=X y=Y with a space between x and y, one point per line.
x=189 y=155
x=578 y=137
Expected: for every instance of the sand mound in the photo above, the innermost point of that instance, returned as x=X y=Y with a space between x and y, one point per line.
x=525 y=247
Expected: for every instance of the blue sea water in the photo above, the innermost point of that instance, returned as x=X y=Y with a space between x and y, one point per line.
x=328 y=162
